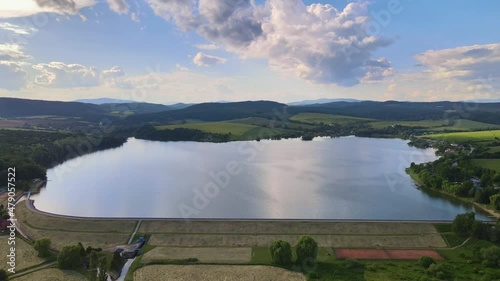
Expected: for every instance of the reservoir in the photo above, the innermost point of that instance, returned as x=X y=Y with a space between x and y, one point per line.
x=327 y=178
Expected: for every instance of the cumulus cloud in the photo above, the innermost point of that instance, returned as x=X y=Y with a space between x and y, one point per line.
x=180 y=11
x=476 y=64
x=119 y=6
x=317 y=42
x=62 y=6
x=202 y=59
x=62 y=75
x=17 y=29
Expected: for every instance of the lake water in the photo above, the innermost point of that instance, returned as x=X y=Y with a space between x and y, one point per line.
x=339 y=178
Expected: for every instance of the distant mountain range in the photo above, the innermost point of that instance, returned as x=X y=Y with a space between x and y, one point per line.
x=103 y=101
x=321 y=101
x=141 y=113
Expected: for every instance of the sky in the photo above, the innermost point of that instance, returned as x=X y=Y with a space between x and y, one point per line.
x=168 y=51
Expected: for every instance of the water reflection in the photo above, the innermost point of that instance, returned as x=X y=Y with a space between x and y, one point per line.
x=341 y=178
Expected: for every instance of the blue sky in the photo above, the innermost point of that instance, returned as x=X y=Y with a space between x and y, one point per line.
x=286 y=50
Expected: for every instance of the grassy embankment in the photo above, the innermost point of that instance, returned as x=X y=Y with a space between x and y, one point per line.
x=64 y=232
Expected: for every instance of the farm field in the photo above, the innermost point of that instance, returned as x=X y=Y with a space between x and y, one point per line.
x=327 y=118
x=466 y=125
x=215 y=272
x=239 y=131
x=52 y=274
x=424 y=123
x=204 y=255
x=480 y=136
x=263 y=233
x=493 y=164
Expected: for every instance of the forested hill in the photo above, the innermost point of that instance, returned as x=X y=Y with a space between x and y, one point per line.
x=213 y=112
x=12 y=107
x=410 y=111
x=139 y=113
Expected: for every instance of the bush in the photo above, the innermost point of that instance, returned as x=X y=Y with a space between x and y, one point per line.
x=353 y=263
x=3 y=275
x=313 y=275
x=70 y=258
x=307 y=249
x=42 y=247
x=438 y=270
x=281 y=252
x=425 y=261
x=490 y=256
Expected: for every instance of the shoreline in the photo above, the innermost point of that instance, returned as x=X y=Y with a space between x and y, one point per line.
x=494 y=215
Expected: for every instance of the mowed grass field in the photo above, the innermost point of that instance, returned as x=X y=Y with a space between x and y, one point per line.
x=327 y=118
x=63 y=232
x=480 y=136
x=52 y=274
x=216 y=272
x=26 y=256
x=263 y=233
x=492 y=164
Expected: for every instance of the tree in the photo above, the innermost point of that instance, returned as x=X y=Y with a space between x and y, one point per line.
x=42 y=246
x=3 y=275
x=281 y=252
x=116 y=262
x=93 y=265
x=69 y=257
x=102 y=274
x=463 y=223
x=495 y=201
x=425 y=261
x=490 y=256
x=307 y=249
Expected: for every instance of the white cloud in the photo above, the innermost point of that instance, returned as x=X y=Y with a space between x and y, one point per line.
x=61 y=6
x=134 y=17
x=24 y=8
x=462 y=73
x=12 y=76
x=476 y=64
x=207 y=46
x=202 y=59
x=62 y=75
x=112 y=73
x=12 y=52
x=17 y=29
x=119 y=6
x=317 y=42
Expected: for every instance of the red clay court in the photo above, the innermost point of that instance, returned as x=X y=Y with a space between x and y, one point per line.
x=374 y=254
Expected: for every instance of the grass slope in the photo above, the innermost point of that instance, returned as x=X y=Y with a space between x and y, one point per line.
x=236 y=129
x=315 y=118
x=493 y=164
x=467 y=136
